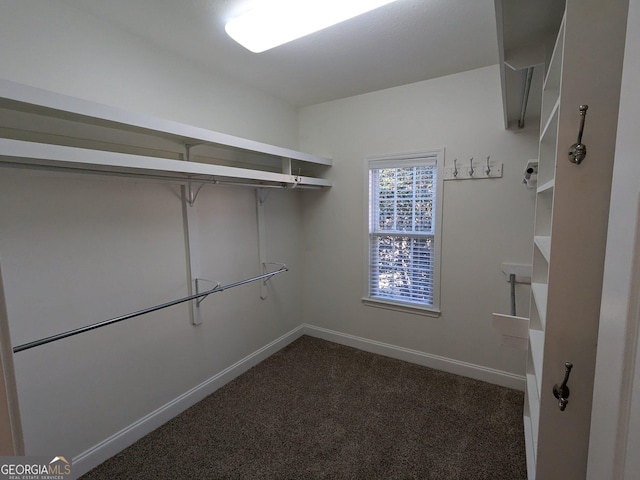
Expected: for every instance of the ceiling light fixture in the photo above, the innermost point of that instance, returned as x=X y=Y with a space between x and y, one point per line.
x=275 y=22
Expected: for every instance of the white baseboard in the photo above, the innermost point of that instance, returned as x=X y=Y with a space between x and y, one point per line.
x=478 y=372
x=109 y=447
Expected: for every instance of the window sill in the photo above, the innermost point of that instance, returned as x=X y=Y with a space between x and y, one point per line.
x=401 y=307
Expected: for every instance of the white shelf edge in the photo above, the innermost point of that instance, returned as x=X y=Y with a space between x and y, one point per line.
x=533 y=396
x=552 y=114
x=539 y=291
x=547 y=186
x=555 y=62
x=21 y=153
x=544 y=245
x=47 y=102
x=529 y=448
x=536 y=342
x=511 y=325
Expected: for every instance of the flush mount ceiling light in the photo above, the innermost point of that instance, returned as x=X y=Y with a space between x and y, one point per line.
x=274 y=22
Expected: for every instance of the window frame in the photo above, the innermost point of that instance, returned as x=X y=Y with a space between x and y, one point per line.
x=426 y=157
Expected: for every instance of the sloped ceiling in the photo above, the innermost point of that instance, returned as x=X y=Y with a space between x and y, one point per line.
x=404 y=42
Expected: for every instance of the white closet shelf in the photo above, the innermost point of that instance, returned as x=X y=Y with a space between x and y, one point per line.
x=544 y=245
x=530 y=448
x=550 y=129
x=552 y=78
x=17 y=153
x=547 y=186
x=534 y=407
x=533 y=398
x=62 y=108
x=536 y=344
x=539 y=291
x=531 y=422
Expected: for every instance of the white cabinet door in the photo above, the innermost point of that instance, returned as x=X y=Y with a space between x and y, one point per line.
x=571 y=227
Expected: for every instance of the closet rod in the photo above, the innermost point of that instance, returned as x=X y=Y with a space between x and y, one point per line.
x=104 y=323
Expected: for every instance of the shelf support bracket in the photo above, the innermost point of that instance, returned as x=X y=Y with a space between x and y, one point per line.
x=191 y=194
x=286 y=165
x=197 y=283
x=261 y=197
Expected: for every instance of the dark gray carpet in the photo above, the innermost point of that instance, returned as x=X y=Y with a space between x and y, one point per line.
x=321 y=410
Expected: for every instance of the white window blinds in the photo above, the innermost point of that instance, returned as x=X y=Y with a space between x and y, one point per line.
x=402 y=229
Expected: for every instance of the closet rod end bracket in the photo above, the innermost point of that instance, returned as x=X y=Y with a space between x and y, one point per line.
x=198 y=289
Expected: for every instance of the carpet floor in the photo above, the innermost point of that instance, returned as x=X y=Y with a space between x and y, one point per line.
x=321 y=410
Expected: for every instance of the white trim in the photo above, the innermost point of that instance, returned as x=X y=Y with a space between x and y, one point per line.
x=530 y=448
x=617 y=358
x=412 y=308
x=435 y=156
x=399 y=161
x=465 y=369
x=617 y=369
x=627 y=428
x=9 y=402
x=117 y=442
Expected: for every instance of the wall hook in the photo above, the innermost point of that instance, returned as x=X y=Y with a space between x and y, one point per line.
x=578 y=150
x=471 y=171
x=455 y=168
x=561 y=391
x=488 y=170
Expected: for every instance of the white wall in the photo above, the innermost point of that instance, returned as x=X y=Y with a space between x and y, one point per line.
x=485 y=222
x=48 y=44
x=81 y=249
x=78 y=249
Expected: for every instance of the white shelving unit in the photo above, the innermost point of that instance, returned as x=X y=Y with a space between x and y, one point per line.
x=47 y=130
x=539 y=293
x=569 y=236
x=542 y=247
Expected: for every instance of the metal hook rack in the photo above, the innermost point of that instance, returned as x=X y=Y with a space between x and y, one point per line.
x=490 y=170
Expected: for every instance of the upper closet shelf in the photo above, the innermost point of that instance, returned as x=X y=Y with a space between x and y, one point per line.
x=30 y=114
x=16 y=153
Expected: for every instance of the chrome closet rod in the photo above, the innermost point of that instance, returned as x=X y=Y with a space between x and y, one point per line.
x=104 y=323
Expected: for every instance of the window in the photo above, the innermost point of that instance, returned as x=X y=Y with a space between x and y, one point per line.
x=404 y=230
